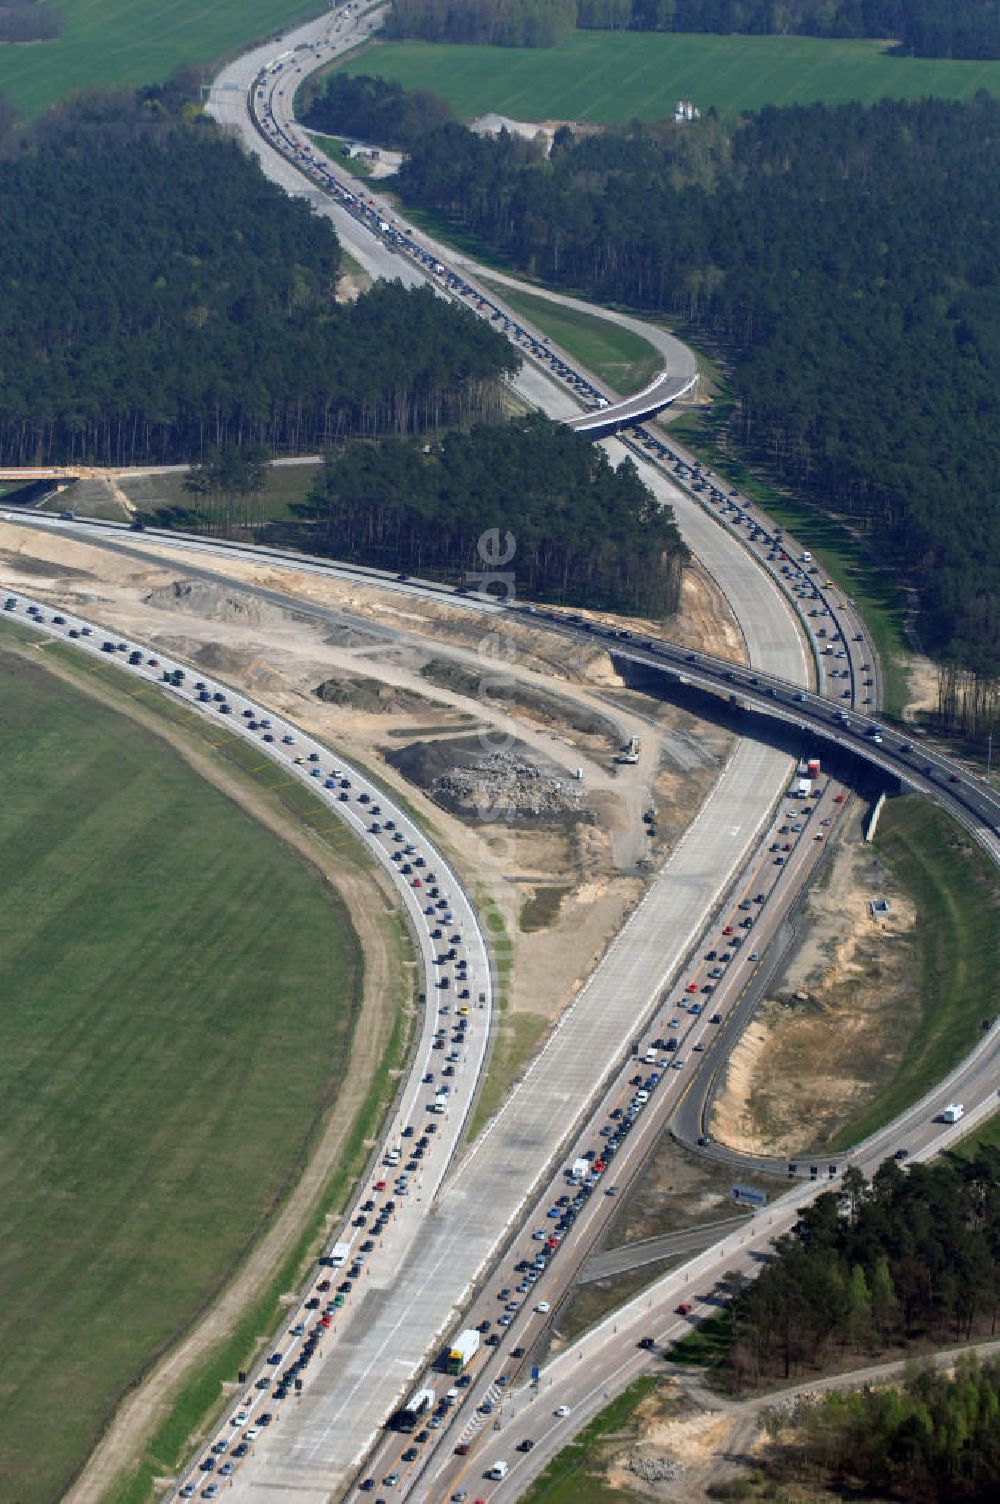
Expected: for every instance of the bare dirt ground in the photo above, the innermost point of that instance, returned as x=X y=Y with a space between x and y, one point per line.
x=923 y=688
x=833 y=1029
x=372 y=911
x=283 y=656
x=565 y=717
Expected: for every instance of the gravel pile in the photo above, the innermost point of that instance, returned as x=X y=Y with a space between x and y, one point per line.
x=519 y=789
x=656 y=1469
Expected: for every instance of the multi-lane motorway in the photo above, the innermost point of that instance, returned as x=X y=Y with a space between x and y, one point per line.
x=321 y=1441
x=668 y=977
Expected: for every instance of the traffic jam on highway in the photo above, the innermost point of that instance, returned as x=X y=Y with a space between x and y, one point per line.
x=480 y=1365
x=430 y=1115
x=841 y=650
x=452 y=1404
x=366 y=211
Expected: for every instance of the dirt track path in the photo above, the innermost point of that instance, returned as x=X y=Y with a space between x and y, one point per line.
x=721 y=1439
x=371 y=910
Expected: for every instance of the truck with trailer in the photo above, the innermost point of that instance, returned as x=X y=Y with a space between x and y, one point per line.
x=416 y=1409
x=462 y=1351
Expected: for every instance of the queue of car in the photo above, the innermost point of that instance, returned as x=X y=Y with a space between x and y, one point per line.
x=450 y=961
x=511 y=1302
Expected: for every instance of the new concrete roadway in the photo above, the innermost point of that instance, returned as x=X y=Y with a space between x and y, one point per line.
x=369 y=1364
x=427 y=1277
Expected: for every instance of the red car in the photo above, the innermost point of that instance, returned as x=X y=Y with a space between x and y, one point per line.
x=728 y=930
x=692 y=986
x=417 y=883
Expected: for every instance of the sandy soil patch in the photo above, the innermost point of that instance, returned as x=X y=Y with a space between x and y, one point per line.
x=376 y=637
x=922 y=683
x=835 y=1026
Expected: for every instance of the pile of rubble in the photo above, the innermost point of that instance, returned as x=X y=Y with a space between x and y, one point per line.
x=503 y=787
x=656 y=1469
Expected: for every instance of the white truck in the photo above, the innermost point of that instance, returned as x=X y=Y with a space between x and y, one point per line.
x=579 y=1169
x=953 y=1112
x=413 y=1412
x=803 y=788
x=497 y=1471
x=462 y=1351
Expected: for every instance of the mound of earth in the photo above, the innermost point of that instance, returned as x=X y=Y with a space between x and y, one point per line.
x=370 y=695
x=220 y=603
x=513 y=787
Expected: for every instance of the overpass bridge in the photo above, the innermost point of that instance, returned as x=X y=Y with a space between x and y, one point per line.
x=666 y=389
x=24 y=475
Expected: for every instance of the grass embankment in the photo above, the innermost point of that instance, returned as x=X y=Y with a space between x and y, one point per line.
x=333 y=146
x=707 y=1346
x=516 y=1040
x=162 y=1102
x=626 y=361
x=954 y=887
x=844 y=557
x=615 y=77
x=105 y=42
x=570 y=1476
x=986 y=1136
x=163 y=501
x=516 y=1035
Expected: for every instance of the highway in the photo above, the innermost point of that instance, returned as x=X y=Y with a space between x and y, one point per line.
x=586 y=1373
x=266 y=80
x=770 y=634
x=456 y=995
x=313 y=1450
x=798 y=630
x=629 y=1256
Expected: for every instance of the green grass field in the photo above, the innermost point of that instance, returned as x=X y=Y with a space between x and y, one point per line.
x=287 y=486
x=626 y=361
x=955 y=888
x=610 y=77
x=137 y=42
x=179 y=1001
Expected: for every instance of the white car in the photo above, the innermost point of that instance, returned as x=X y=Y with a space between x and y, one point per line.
x=252 y=1432
x=543 y=1307
x=240 y=1418
x=562 y=1411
